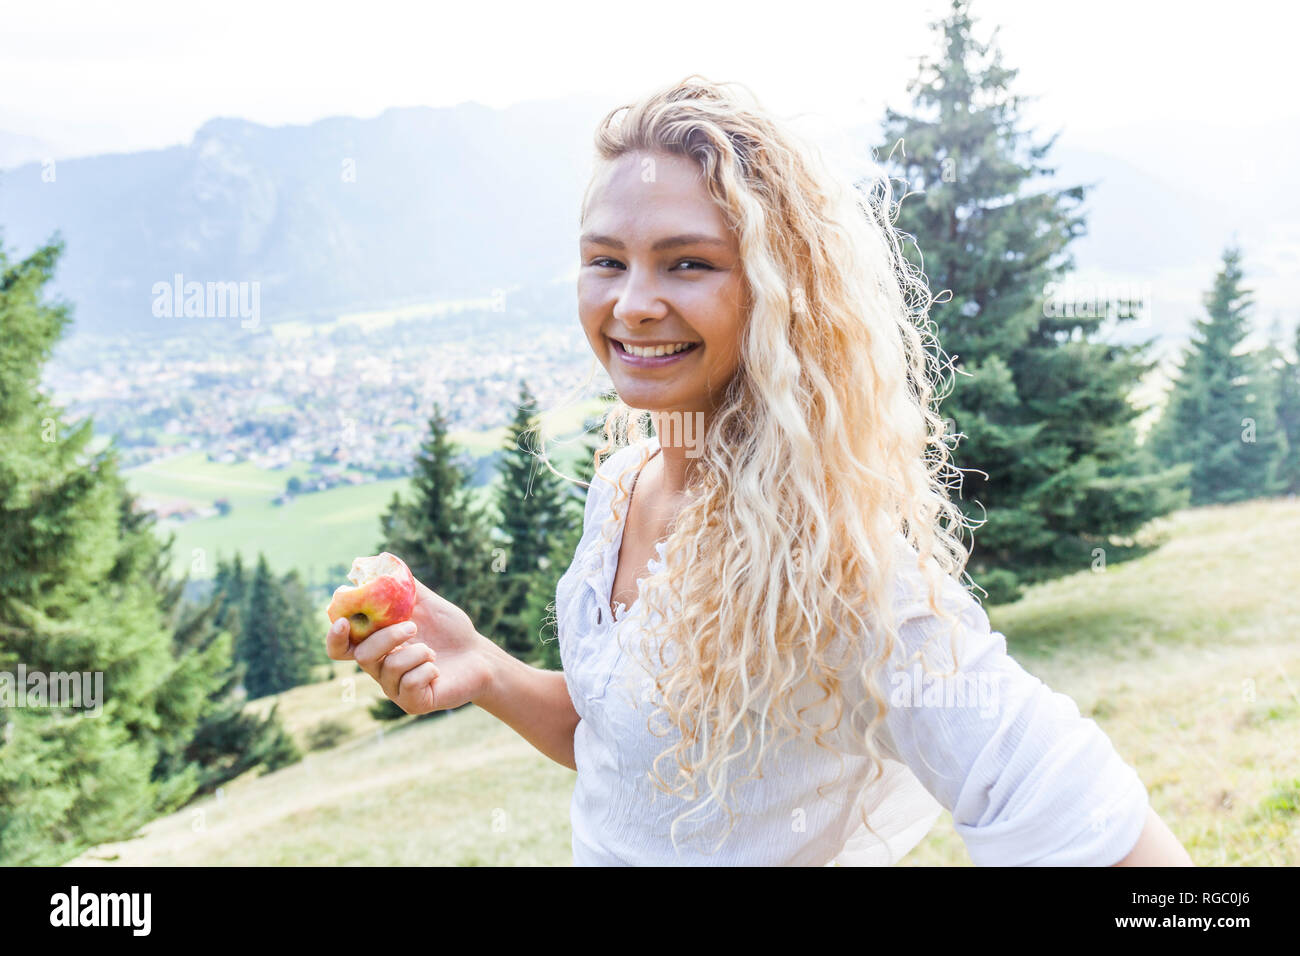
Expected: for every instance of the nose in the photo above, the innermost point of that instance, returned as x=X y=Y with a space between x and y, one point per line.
x=640 y=298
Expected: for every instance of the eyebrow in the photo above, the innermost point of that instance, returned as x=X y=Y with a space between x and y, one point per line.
x=670 y=242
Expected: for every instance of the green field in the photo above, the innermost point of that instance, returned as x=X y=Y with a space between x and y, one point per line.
x=1186 y=657
x=312 y=533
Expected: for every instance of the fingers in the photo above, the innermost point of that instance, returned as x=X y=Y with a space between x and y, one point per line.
x=338 y=643
x=371 y=652
x=415 y=691
x=400 y=662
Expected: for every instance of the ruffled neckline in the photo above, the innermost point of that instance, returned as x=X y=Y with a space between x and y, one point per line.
x=654 y=566
x=603 y=563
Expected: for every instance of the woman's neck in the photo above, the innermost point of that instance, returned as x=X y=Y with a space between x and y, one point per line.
x=675 y=471
x=681 y=440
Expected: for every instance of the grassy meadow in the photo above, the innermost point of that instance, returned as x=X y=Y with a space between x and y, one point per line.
x=311 y=533
x=1186 y=658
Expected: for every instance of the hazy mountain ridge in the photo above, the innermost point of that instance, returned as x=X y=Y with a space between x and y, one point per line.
x=342 y=213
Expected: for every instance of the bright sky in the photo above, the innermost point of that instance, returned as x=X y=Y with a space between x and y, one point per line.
x=129 y=75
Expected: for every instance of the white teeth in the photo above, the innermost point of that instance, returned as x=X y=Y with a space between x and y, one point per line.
x=657 y=349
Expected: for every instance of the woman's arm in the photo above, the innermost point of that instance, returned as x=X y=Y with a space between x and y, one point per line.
x=534 y=702
x=1157 y=846
x=1028 y=779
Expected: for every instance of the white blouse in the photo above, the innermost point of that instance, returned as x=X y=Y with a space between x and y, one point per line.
x=1027 y=779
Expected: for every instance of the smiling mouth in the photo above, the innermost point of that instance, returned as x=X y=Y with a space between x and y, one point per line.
x=659 y=351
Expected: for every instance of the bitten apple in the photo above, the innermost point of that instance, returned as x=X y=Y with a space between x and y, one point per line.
x=384 y=594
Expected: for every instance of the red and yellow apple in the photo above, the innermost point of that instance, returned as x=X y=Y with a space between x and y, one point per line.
x=383 y=593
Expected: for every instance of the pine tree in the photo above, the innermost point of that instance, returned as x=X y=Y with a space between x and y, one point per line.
x=231 y=582
x=85 y=587
x=202 y=657
x=531 y=502
x=444 y=538
x=277 y=649
x=1048 y=448
x=227 y=740
x=539 y=613
x=1287 y=390
x=1221 y=417
x=539 y=608
x=81 y=592
x=310 y=623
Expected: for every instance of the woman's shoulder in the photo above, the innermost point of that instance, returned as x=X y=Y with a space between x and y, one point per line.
x=915 y=582
x=613 y=470
x=623 y=461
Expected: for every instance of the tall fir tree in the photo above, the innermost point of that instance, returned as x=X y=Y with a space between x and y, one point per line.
x=539 y=612
x=309 y=619
x=1047 y=446
x=278 y=650
x=442 y=535
x=531 y=502
x=201 y=656
x=82 y=592
x=228 y=738
x=1287 y=390
x=230 y=583
x=540 y=615
x=1221 y=416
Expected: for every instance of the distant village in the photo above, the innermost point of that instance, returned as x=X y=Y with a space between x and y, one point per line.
x=354 y=406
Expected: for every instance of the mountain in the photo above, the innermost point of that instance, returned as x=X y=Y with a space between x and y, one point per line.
x=416 y=204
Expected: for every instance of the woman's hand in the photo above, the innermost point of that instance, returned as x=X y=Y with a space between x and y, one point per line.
x=402 y=657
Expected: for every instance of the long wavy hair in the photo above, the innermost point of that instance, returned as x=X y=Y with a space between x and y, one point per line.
x=825 y=449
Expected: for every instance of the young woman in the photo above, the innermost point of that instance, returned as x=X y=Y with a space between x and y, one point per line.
x=768 y=656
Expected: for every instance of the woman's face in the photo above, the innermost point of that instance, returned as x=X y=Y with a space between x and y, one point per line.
x=660 y=270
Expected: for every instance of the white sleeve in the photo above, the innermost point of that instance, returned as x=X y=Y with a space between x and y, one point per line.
x=1029 y=782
